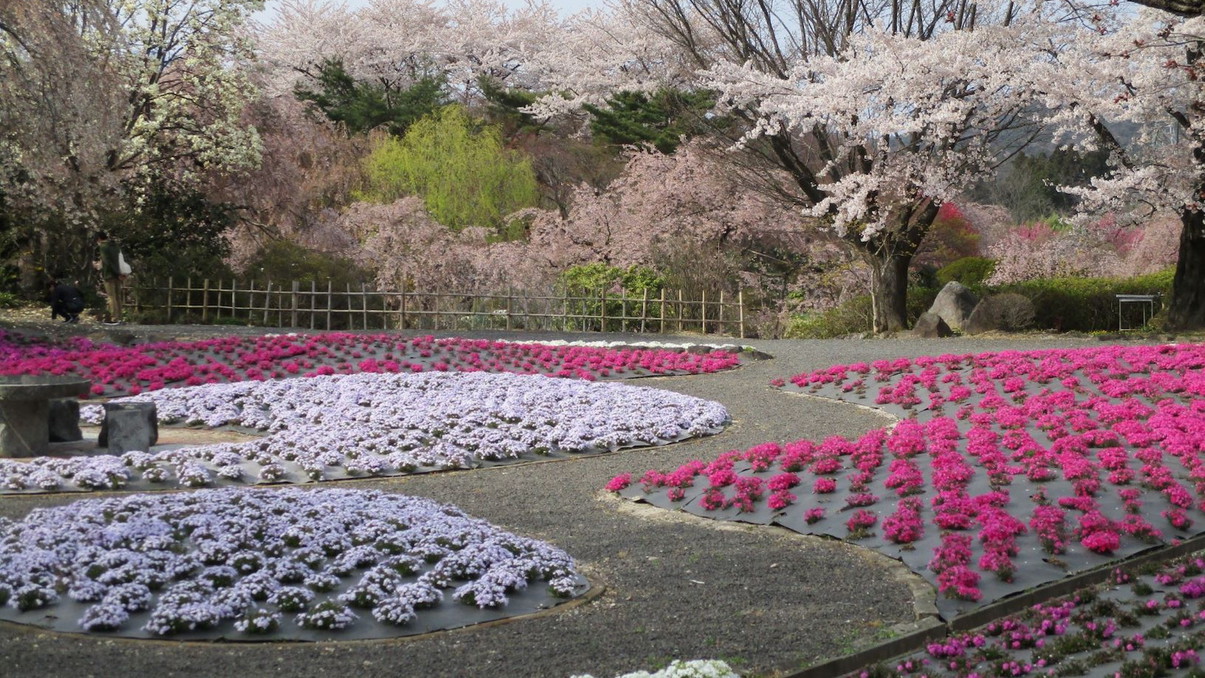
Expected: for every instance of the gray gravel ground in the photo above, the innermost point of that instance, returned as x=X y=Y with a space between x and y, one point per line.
x=767 y=601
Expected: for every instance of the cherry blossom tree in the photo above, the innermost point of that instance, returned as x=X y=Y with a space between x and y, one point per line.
x=699 y=207
x=101 y=100
x=1145 y=70
x=395 y=44
x=309 y=169
x=876 y=114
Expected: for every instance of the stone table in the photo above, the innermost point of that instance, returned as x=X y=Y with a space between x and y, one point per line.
x=25 y=410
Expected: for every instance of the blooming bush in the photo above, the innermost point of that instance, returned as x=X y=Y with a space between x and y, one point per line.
x=1060 y=460
x=379 y=425
x=129 y=370
x=158 y=564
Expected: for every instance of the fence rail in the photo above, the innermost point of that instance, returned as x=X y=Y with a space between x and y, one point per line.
x=314 y=306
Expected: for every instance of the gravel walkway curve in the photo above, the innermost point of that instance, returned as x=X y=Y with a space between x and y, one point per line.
x=766 y=601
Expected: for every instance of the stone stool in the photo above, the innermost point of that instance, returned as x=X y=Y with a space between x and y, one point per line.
x=64 y=421
x=129 y=426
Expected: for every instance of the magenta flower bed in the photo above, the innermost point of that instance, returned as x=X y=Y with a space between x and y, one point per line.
x=1010 y=469
x=1149 y=622
x=118 y=370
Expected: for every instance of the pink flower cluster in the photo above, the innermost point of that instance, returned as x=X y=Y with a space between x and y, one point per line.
x=1119 y=430
x=129 y=370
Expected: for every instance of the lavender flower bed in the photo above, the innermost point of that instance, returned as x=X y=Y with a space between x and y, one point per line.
x=1149 y=622
x=335 y=427
x=286 y=564
x=1008 y=470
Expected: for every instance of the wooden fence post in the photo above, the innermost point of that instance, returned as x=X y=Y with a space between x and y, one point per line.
x=313 y=301
x=296 y=287
x=603 y=311
x=661 y=320
x=330 y=301
x=509 y=296
x=723 y=325
x=403 y=325
x=267 y=297
x=740 y=309
x=169 y=299
x=364 y=303
x=679 y=311
x=703 y=313
x=250 y=300
x=205 y=300
x=624 y=311
x=644 y=309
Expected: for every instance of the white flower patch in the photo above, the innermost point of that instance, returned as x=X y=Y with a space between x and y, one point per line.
x=287 y=563
x=359 y=425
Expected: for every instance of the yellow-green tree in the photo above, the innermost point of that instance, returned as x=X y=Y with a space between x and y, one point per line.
x=459 y=166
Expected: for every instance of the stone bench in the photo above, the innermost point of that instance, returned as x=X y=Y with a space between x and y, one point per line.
x=25 y=411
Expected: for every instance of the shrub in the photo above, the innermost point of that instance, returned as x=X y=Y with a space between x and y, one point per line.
x=970 y=271
x=852 y=317
x=1085 y=304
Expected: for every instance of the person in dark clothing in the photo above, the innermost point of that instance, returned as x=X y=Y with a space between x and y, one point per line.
x=65 y=300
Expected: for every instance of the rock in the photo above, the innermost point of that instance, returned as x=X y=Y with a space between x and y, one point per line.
x=982 y=319
x=64 y=420
x=954 y=304
x=1006 y=312
x=931 y=326
x=754 y=354
x=129 y=426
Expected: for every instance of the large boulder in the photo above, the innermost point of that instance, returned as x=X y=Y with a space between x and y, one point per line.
x=954 y=303
x=1007 y=312
x=931 y=326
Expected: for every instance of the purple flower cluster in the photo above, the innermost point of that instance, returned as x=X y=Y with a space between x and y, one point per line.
x=262 y=561
x=381 y=424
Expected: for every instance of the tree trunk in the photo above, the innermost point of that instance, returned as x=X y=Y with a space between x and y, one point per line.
x=1186 y=310
x=889 y=291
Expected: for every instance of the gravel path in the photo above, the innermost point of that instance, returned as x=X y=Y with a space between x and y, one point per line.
x=767 y=601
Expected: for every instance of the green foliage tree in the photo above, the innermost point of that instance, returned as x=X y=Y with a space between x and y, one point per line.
x=363 y=106
x=660 y=120
x=175 y=230
x=461 y=169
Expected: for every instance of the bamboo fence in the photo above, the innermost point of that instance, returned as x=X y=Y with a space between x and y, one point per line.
x=323 y=307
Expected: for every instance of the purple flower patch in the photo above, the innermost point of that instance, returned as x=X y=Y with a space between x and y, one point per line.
x=276 y=564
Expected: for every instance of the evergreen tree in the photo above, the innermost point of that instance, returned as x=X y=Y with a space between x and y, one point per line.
x=660 y=120
x=363 y=106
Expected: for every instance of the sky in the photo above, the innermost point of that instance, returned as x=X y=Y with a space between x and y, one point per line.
x=565 y=7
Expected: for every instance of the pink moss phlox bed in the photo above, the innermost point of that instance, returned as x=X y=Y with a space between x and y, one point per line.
x=122 y=370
